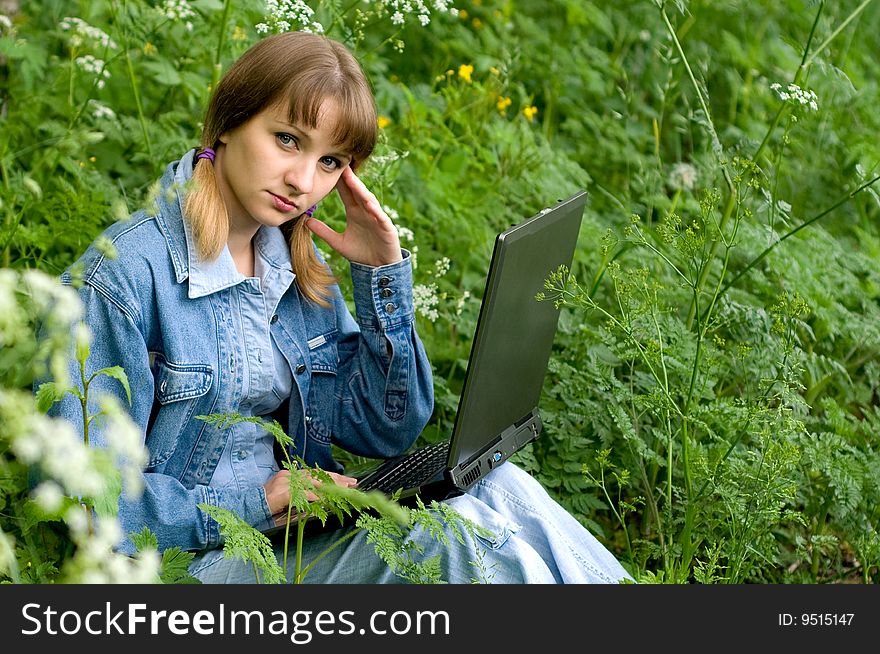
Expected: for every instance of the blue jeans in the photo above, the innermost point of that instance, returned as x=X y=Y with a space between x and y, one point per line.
x=535 y=541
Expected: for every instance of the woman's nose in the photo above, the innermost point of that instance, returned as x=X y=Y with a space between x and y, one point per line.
x=301 y=175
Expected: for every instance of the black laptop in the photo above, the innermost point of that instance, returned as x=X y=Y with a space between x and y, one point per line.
x=498 y=409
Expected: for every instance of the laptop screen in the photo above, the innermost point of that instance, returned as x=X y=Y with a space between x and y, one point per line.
x=514 y=336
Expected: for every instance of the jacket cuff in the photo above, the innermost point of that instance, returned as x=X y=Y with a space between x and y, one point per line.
x=383 y=295
x=250 y=505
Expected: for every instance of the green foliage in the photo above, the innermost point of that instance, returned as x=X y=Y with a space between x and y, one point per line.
x=711 y=408
x=314 y=494
x=404 y=555
x=175 y=562
x=243 y=542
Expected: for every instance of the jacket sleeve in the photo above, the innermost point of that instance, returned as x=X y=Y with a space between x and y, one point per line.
x=385 y=393
x=165 y=506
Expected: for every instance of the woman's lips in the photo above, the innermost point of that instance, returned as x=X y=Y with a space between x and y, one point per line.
x=281 y=204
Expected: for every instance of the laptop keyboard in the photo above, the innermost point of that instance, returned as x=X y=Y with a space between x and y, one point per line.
x=410 y=471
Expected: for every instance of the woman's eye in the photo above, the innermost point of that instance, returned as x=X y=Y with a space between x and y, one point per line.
x=285 y=139
x=331 y=162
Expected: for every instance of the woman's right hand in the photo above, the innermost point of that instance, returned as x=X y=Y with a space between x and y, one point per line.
x=278 y=490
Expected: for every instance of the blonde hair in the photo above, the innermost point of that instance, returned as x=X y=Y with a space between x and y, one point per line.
x=302 y=70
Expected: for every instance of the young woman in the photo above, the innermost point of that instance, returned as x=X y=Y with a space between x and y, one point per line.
x=218 y=302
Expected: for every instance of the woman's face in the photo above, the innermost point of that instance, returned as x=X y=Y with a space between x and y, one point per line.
x=270 y=171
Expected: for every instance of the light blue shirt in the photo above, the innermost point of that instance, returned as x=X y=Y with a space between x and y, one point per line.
x=248 y=458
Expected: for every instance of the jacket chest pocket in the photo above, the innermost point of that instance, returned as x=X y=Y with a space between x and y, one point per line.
x=177 y=389
x=324 y=363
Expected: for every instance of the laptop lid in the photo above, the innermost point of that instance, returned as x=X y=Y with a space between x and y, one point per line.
x=513 y=340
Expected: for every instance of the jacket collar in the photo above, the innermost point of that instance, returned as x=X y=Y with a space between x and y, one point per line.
x=271 y=253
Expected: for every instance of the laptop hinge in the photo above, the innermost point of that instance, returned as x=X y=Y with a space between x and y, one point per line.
x=512 y=439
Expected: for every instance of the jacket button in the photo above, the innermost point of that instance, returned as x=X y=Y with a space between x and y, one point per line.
x=384 y=280
x=300 y=369
x=390 y=307
x=387 y=292
x=273 y=319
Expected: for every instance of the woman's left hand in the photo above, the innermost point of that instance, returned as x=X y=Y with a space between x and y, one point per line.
x=370 y=237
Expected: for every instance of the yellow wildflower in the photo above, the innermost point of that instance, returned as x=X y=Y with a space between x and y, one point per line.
x=239 y=34
x=462 y=13
x=149 y=49
x=383 y=122
x=503 y=103
x=495 y=71
x=529 y=112
x=465 y=71
x=477 y=23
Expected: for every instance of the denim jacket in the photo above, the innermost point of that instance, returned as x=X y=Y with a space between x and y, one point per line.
x=363 y=385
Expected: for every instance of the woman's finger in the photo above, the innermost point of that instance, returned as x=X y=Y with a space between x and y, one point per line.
x=323 y=231
x=343 y=480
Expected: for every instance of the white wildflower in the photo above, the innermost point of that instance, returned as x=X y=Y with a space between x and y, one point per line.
x=97 y=562
x=442 y=267
x=6 y=24
x=177 y=10
x=459 y=305
x=76 y=519
x=9 y=307
x=382 y=159
x=81 y=30
x=126 y=443
x=405 y=234
x=27 y=449
x=399 y=10
x=425 y=300
x=683 y=176
x=48 y=496
x=53 y=444
x=285 y=15
x=94 y=66
x=101 y=111
x=392 y=213
x=7 y=552
x=795 y=94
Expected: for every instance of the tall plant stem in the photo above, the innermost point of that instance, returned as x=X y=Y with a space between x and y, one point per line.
x=137 y=100
x=716 y=142
x=300 y=536
x=839 y=29
x=221 y=44
x=132 y=78
x=846 y=198
x=732 y=192
x=351 y=534
x=84 y=402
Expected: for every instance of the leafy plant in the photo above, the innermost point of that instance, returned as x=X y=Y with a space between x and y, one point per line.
x=315 y=495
